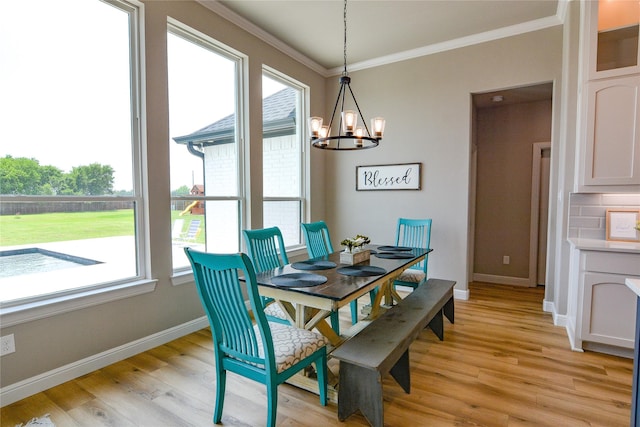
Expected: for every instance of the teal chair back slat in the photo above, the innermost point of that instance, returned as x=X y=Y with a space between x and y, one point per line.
x=266 y=248
x=316 y=236
x=415 y=233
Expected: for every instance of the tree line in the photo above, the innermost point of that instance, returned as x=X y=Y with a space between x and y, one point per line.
x=24 y=176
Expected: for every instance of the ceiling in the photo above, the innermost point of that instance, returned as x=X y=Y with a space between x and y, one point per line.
x=378 y=30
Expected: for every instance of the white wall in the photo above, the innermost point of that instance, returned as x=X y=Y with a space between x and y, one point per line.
x=427 y=104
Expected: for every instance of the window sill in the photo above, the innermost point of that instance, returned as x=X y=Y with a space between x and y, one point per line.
x=35 y=310
x=182 y=277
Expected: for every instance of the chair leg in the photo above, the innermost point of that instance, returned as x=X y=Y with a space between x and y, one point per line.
x=272 y=403
x=372 y=295
x=221 y=380
x=335 y=322
x=354 y=311
x=321 y=371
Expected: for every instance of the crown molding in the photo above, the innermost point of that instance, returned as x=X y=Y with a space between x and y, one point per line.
x=226 y=13
x=513 y=30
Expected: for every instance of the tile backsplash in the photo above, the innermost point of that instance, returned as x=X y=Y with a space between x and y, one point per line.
x=587 y=212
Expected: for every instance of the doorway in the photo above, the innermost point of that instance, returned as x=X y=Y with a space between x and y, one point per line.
x=509 y=178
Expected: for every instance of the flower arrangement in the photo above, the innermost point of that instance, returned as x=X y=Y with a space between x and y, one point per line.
x=355 y=244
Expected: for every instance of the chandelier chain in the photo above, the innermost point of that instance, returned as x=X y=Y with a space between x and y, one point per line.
x=345 y=38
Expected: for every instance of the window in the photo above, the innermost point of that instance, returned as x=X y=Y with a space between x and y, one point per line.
x=206 y=199
x=282 y=142
x=72 y=208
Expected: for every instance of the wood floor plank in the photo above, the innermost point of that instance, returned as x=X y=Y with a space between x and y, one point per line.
x=503 y=363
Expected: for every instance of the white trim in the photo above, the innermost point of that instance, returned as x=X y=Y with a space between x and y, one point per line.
x=226 y=13
x=30 y=311
x=462 y=294
x=501 y=280
x=534 y=228
x=14 y=392
x=512 y=30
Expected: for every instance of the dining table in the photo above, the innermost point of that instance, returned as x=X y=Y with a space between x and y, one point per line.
x=309 y=291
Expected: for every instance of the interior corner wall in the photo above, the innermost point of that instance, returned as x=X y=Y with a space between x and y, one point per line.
x=426 y=102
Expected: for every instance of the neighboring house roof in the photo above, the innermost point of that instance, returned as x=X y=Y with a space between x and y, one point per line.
x=279 y=113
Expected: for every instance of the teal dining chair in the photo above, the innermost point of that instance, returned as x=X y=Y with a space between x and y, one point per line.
x=266 y=352
x=415 y=233
x=316 y=236
x=266 y=250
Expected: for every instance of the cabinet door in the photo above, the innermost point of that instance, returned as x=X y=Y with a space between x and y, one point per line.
x=609 y=310
x=613 y=31
x=612 y=152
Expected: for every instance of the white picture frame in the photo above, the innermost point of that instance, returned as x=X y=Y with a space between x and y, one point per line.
x=403 y=176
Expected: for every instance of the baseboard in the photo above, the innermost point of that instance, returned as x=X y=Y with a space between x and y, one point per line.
x=14 y=392
x=501 y=280
x=462 y=294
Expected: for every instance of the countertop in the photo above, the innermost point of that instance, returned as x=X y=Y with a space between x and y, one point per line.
x=634 y=285
x=605 y=245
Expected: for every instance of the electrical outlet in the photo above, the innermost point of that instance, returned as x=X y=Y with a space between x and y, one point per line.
x=506 y=259
x=7 y=345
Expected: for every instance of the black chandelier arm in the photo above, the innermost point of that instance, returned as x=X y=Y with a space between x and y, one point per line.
x=341 y=93
x=359 y=112
x=320 y=142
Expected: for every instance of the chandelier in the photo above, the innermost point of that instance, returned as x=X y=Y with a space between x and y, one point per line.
x=351 y=135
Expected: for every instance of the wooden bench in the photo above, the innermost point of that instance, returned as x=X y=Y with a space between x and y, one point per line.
x=383 y=347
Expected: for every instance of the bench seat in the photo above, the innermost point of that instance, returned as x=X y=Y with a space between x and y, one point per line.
x=383 y=347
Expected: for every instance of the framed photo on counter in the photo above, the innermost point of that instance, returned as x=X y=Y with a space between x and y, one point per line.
x=621 y=225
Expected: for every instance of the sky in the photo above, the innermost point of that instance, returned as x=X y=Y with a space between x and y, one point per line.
x=66 y=100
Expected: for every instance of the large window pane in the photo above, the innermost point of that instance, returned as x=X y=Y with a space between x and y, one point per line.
x=69 y=162
x=204 y=148
x=282 y=156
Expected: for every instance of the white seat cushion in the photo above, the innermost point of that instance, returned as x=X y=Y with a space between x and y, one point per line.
x=411 y=276
x=274 y=310
x=291 y=344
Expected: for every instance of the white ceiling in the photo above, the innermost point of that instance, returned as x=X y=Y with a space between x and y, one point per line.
x=381 y=31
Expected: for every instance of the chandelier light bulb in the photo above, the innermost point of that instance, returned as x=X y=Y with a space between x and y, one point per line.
x=377 y=124
x=315 y=124
x=349 y=121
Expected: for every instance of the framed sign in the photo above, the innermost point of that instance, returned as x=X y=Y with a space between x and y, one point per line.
x=621 y=225
x=405 y=176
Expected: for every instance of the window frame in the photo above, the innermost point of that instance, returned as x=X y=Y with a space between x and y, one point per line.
x=44 y=305
x=183 y=274
x=301 y=106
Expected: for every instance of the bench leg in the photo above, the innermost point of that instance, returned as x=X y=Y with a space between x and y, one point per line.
x=360 y=388
x=448 y=310
x=401 y=373
x=437 y=325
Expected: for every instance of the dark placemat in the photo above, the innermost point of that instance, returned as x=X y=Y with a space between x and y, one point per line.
x=317 y=264
x=394 y=248
x=298 y=280
x=361 y=270
x=394 y=255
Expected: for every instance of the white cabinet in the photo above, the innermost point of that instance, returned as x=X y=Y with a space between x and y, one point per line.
x=611 y=34
x=606 y=318
x=609 y=135
x=612 y=143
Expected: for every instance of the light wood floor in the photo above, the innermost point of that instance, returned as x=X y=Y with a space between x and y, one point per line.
x=503 y=363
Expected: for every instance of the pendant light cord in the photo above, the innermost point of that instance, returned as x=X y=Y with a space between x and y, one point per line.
x=344 y=73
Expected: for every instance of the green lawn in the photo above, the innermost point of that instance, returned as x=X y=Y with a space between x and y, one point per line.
x=57 y=227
